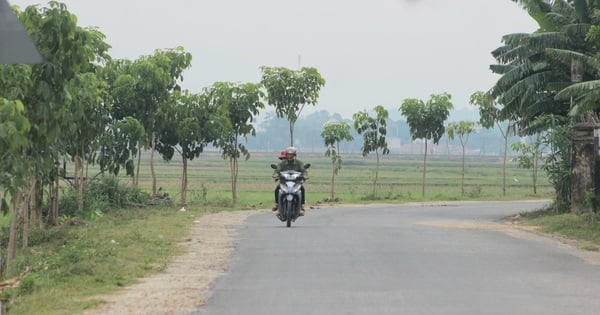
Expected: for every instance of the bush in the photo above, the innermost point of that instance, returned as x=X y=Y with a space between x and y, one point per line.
x=117 y=194
x=475 y=192
x=100 y=197
x=592 y=200
x=28 y=285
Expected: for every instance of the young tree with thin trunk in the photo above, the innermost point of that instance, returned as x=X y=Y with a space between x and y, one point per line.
x=89 y=117
x=490 y=115
x=373 y=131
x=531 y=154
x=462 y=130
x=426 y=121
x=334 y=133
x=241 y=103
x=187 y=125
x=290 y=90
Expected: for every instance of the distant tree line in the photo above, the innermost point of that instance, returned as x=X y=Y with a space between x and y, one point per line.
x=488 y=142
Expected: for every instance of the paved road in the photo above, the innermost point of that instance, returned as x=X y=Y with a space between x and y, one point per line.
x=410 y=259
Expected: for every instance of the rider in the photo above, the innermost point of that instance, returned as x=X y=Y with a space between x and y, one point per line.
x=281 y=155
x=290 y=163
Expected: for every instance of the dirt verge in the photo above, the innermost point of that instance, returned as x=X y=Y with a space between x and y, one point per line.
x=181 y=288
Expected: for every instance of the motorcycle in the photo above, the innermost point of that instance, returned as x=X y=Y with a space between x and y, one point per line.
x=290 y=194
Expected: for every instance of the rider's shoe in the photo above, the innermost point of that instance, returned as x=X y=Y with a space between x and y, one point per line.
x=275 y=206
x=302 y=210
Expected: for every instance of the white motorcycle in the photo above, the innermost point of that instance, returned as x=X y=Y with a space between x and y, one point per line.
x=290 y=194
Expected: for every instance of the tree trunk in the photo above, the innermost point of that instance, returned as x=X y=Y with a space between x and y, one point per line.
x=424 y=170
x=152 y=164
x=35 y=217
x=53 y=216
x=583 y=162
x=183 y=200
x=136 y=177
x=582 y=150
x=331 y=195
x=376 y=175
x=291 y=133
x=535 y=164
x=12 y=238
x=336 y=166
x=234 y=174
x=462 y=182
x=504 y=164
x=79 y=181
x=26 y=211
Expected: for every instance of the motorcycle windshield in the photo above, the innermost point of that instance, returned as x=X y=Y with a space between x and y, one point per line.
x=291 y=175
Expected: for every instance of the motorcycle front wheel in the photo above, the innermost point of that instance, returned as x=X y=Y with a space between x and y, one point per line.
x=288 y=213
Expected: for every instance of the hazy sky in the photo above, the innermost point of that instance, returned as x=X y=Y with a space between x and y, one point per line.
x=370 y=52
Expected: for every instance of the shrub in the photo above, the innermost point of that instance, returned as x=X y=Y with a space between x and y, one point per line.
x=101 y=196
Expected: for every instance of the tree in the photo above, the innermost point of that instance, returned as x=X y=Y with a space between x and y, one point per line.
x=541 y=74
x=241 y=103
x=426 y=121
x=14 y=127
x=490 y=114
x=89 y=117
x=187 y=124
x=530 y=157
x=67 y=50
x=334 y=133
x=462 y=130
x=119 y=147
x=373 y=131
x=122 y=142
x=289 y=91
x=557 y=157
x=13 y=141
x=141 y=86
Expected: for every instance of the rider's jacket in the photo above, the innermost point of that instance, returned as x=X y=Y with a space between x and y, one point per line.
x=294 y=165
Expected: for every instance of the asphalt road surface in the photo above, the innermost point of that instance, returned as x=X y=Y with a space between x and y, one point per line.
x=450 y=259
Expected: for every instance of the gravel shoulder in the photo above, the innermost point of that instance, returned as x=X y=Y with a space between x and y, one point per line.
x=182 y=287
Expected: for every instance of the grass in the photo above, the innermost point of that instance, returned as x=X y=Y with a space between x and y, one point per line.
x=80 y=259
x=71 y=263
x=584 y=228
x=399 y=179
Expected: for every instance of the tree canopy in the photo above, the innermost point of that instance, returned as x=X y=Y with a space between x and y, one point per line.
x=290 y=90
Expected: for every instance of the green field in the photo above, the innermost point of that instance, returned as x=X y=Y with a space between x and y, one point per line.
x=400 y=179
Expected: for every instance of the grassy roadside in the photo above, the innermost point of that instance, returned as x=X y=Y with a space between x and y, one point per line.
x=74 y=262
x=77 y=260
x=584 y=229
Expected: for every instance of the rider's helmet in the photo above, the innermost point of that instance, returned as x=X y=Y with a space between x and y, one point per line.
x=282 y=155
x=290 y=153
x=290 y=150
